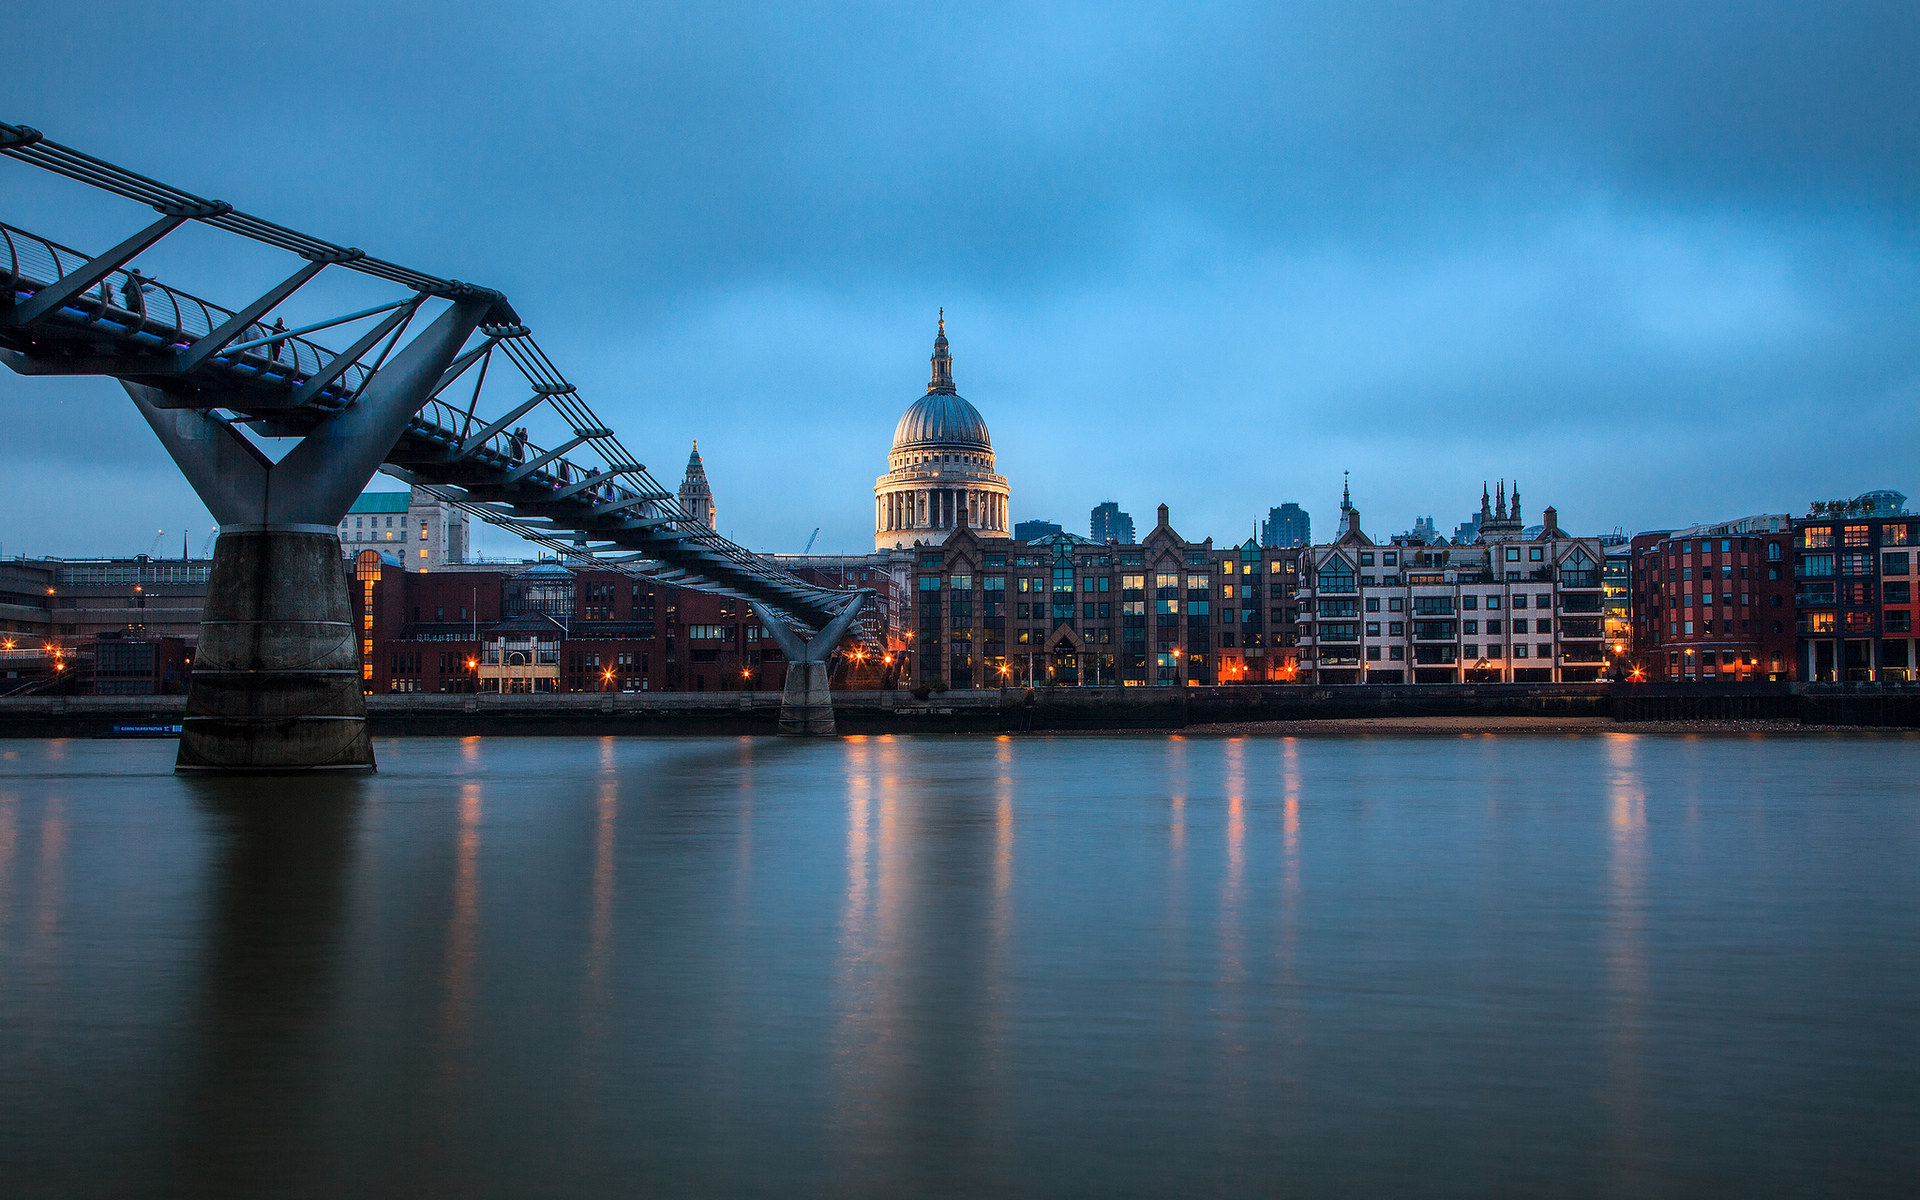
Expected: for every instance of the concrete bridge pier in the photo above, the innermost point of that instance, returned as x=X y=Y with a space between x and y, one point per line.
x=277 y=678
x=806 y=708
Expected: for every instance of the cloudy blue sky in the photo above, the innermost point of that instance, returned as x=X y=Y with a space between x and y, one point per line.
x=1660 y=262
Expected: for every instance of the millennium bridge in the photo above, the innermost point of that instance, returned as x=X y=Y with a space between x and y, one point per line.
x=276 y=681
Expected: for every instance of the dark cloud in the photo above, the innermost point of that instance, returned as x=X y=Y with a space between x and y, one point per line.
x=1212 y=256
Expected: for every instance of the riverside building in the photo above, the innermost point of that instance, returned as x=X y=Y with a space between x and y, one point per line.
x=1714 y=602
x=991 y=611
x=1508 y=608
x=940 y=473
x=555 y=627
x=1855 y=569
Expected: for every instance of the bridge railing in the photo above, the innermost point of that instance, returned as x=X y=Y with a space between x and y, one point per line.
x=161 y=316
x=167 y=318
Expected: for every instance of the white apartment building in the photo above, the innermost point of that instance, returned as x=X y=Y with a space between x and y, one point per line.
x=1517 y=605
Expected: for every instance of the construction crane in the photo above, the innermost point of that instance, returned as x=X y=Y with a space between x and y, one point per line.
x=811 y=540
x=207 y=544
x=155 y=544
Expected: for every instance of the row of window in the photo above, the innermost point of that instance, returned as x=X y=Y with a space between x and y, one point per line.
x=1895 y=620
x=1726 y=572
x=995 y=612
x=1686 y=600
x=1725 y=627
x=1427 y=605
x=1706 y=545
x=1341 y=631
x=1127 y=558
x=1063 y=581
x=1821 y=566
x=1818 y=537
x=1857 y=594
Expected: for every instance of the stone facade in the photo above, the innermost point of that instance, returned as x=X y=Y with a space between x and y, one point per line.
x=696 y=495
x=414 y=525
x=940 y=473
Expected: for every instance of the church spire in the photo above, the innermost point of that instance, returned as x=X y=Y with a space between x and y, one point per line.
x=1486 y=503
x=1346 y=491
x=696 y=496
x=942 y=380
x=1500 y=506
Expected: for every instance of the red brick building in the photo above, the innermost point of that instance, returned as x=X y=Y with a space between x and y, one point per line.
x=1714 y=602
x=548 y=627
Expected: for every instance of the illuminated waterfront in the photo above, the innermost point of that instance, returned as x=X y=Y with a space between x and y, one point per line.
x=1078 y=965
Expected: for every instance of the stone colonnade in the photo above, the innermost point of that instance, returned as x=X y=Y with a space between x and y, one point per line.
x=941 y=508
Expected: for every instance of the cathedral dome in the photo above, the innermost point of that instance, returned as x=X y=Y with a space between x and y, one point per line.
x=941 y=419
x=940 y=471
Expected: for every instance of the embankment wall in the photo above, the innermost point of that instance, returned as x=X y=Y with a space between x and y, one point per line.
x=1023 y=710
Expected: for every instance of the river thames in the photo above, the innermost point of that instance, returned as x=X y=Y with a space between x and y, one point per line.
x=1497 y=965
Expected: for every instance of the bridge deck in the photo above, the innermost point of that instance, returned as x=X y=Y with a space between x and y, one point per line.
x=588 y=488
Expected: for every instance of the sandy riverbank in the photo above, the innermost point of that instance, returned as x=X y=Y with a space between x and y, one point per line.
x=1465 y=726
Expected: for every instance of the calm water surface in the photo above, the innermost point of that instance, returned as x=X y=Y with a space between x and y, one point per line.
x=1604 y=966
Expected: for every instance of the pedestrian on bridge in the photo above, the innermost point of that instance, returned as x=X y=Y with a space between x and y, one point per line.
x=134 y=292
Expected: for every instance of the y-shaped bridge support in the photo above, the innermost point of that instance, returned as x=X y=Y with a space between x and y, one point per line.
x=806 y=709
x=276 y=680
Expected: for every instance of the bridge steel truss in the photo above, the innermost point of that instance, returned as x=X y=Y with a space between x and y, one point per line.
x=277 y=684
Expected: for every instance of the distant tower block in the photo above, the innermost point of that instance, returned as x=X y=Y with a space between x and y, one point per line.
x=696 y=498
x=1109 y=524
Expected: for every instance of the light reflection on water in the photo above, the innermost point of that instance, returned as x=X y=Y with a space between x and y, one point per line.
x=885 y=966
